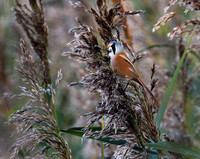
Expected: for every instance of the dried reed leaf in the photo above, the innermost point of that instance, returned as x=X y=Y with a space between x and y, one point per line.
x=171 y=3
x=179 y=30
x=163 y=20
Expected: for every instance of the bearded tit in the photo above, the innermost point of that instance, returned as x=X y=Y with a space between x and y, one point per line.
x=123 y=66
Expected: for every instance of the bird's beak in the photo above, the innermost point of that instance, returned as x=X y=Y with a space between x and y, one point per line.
x=109 y=45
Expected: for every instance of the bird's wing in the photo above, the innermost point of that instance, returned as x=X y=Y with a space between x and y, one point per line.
x=124 y=56
x=128 y=60
x=133 y=71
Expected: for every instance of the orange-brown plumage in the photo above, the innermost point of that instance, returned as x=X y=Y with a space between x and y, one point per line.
x=123 y=66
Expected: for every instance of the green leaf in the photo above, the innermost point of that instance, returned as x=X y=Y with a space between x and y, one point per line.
x=170 y=87
x=195 y=54
x=173 y=147
x=95 y=128
x=154 y=156
x=79 y=131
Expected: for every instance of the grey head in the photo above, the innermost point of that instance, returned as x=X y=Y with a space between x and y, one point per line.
x=114 y=48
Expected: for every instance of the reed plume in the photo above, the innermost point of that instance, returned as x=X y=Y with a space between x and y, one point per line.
x=36 y=121
x=131 y=110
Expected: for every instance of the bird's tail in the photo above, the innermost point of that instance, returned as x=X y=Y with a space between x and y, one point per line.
x=147 y=89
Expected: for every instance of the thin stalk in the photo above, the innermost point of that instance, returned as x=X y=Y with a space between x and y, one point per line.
x=102 y=143
x=54 y=108
x=153 y=46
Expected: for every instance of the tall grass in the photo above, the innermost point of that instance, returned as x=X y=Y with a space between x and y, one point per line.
x=126 y=123
x=36 y=120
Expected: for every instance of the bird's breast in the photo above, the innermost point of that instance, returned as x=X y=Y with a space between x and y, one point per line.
x=122 y=67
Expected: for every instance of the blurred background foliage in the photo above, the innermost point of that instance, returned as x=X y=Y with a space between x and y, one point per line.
x=182 y=118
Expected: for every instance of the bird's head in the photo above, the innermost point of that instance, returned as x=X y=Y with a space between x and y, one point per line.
x=114 y=48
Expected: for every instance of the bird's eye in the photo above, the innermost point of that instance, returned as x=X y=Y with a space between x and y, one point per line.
x=113 y=48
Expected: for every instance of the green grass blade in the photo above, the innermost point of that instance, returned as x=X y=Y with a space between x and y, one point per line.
x=173 y=147
x=79 y=131
x=170 y=87
x=153 y=156
x=94 y=128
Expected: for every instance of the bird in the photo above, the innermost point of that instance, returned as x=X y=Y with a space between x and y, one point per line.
x=122 y=65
